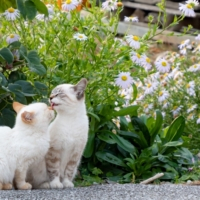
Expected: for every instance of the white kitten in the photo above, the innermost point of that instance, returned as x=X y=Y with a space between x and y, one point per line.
x=68 y=137
x=26 y=143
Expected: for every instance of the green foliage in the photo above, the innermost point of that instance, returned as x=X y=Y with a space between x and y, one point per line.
x=139 y=149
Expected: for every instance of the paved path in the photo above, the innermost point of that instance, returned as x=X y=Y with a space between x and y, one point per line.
x=109 y=192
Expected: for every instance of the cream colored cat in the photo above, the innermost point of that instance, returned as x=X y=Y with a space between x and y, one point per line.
x=26 y=143
x=68 y=137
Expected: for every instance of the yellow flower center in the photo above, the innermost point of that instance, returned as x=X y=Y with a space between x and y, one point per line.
x=189 y=6
x=148 y=60
x=80 y=36
x=12 y=35
x=11 y=10
x=138 y=55
x=124 y=78
x=195 y=66
x=119 y=4
x=68 y=1
x=136 y=38
x=160 y=93
x=149 y=85
x=145 y=106
x=164 y=64
x=175 y=107
x=188 y=85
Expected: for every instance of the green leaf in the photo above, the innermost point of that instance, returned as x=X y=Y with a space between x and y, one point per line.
x=131 y=110
x=157 y=126
x=123 y=143
x=94 y=115
x=4 y=82
x=110 y=158
x=27 y=88
x=7 y=117
x=141 y=129
x=40 y=6
x=173 y=144
x=175 y=130
x=90 y=145
x=17 y=90
x=41 y=88
x=106 y=137
x=31 y=10
x=21 y=8
x=7 y=55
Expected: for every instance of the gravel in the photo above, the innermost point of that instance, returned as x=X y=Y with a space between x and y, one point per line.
x=109 y=192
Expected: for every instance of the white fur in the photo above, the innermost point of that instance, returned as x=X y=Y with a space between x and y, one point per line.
x=25 y=143
x=68 y=132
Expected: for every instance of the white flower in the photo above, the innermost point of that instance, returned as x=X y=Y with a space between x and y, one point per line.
x=131 y=19
x=196 y=49
x=183 y=51
x=193 y=2
x=194 y=68
x=192 y=108
x=162 y=65
x=70 y=5
x=124 y=80
x=197 y=37
x=109 y=5
x=16 y=54
x=133 y=41
x=148 y=107
x=190 y=88
x=150 y=87
x=79 y=36
x=176 y=110
x=166 y=105
x=11 y=14
x=12 y=38
x=163 y=95
x=136 y=57
x=184 y=44
x=146 y=62
x=198 y=120
x=50 y=9
x=187 y=9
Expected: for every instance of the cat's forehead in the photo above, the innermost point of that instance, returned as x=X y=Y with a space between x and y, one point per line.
x=61 y=88
x=57 y=90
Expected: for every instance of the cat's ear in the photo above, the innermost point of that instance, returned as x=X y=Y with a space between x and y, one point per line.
x=27 y=117
x=79 y=88
x=17 y=106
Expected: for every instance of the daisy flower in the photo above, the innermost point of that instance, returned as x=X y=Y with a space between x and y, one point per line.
x=198 y=120
x=136 y=57
x=176 y=110
x=79 y=36
x=197 y=37
x=146 y=62
x=12 y=38
x=11 y=14
x=184 y=43
x=131 y=19
x=190 y=88
x=192 y=2
x=124 y=80
x=70 y=5
x=163 y=95
x=133 y=41
x=187 y=9
x=194 y=68
x=50 y=9
x=109 y=5
x=162 y=65
x=148 y=107
x=150 y=87
x=192 y=108
x=166 y=105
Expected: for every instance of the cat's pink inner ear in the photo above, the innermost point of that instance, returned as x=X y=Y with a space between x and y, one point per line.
x=27 y=117
x=17 y=106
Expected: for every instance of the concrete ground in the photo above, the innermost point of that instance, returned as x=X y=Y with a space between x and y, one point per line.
x=109 y=192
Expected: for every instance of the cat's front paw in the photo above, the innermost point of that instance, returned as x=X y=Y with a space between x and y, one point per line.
x=67 y=183
x=26 y=186
x=44 y=185
x=56 y=184
x=7 y=186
